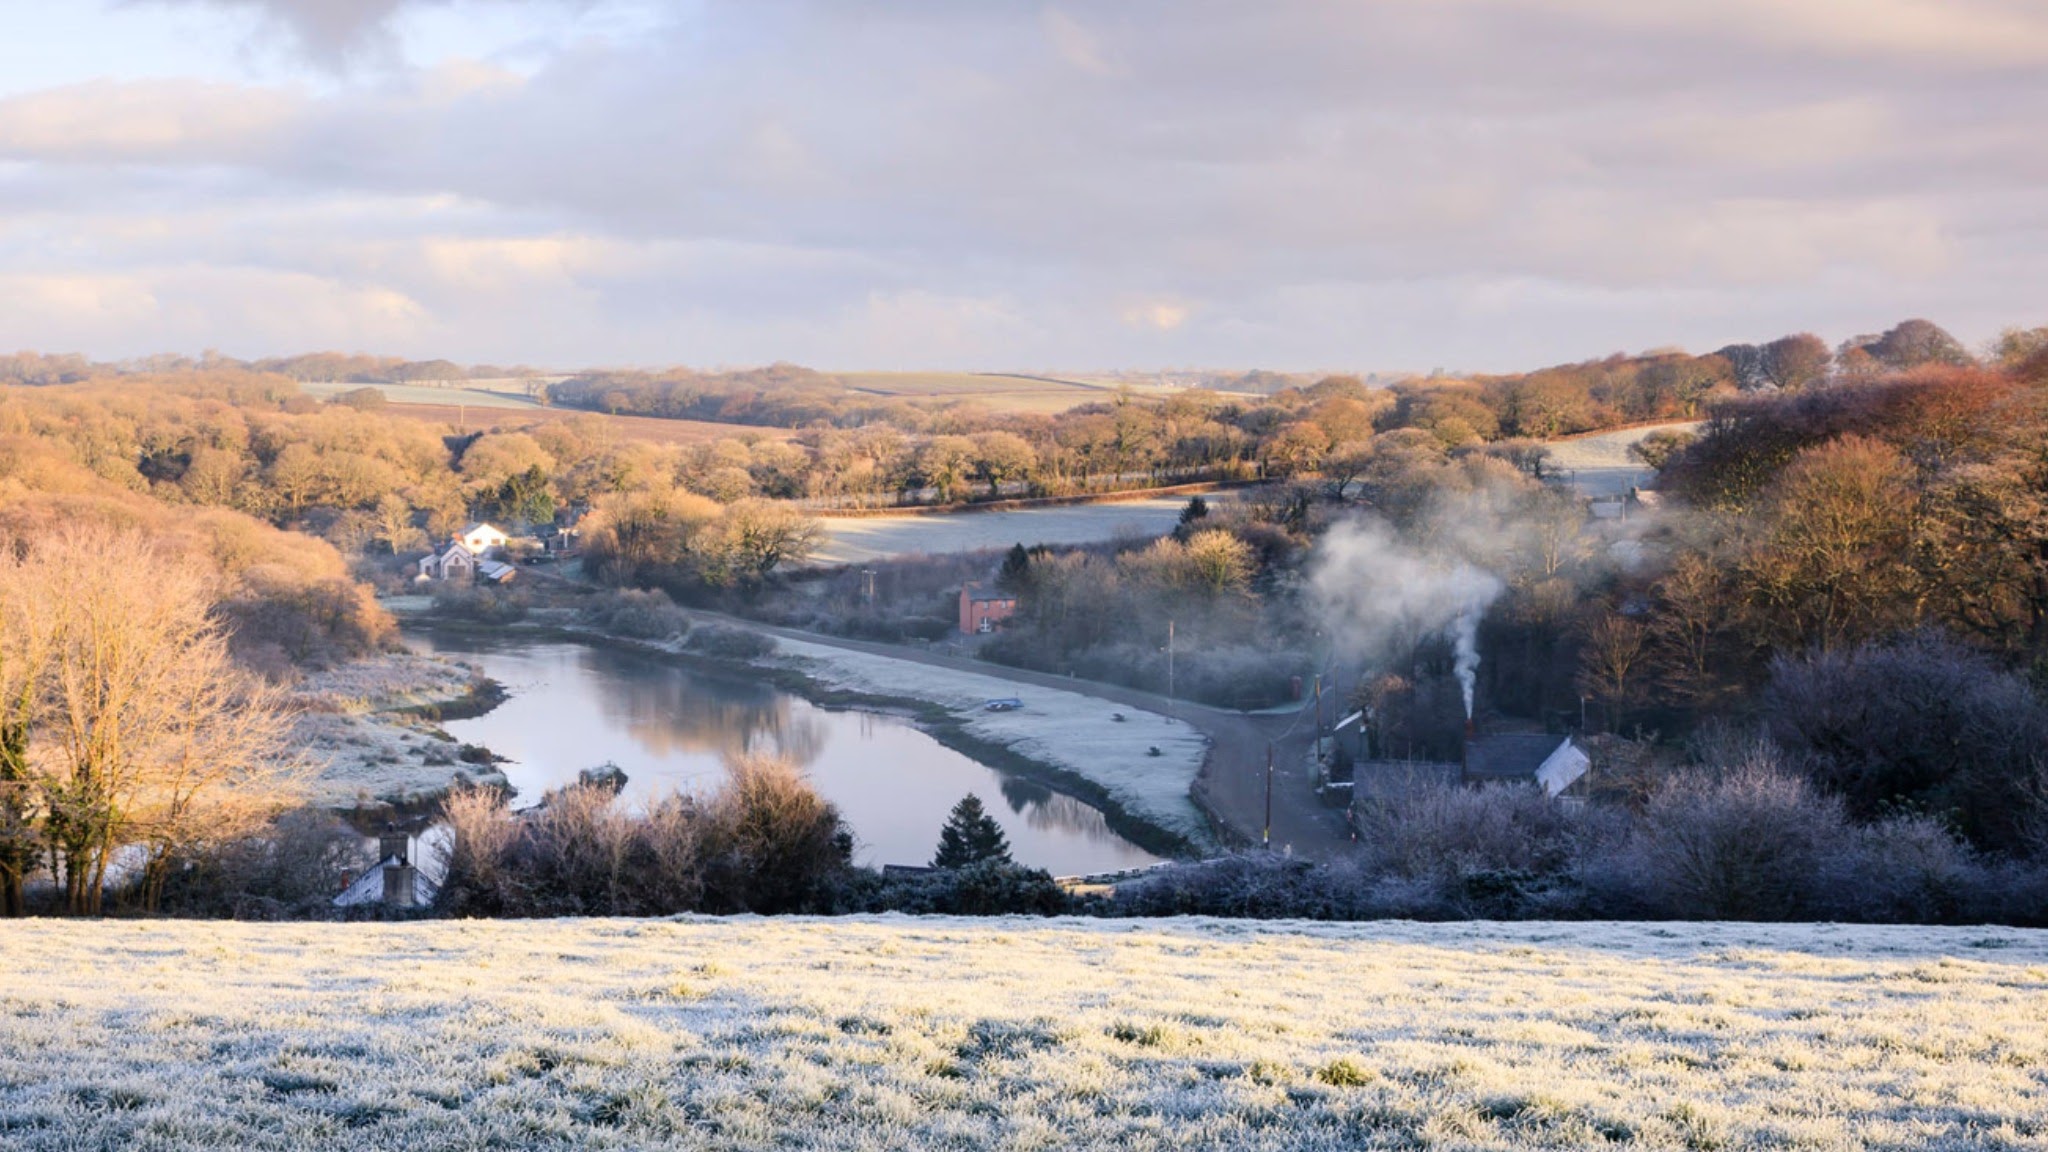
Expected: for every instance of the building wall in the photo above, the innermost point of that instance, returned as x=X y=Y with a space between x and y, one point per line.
x=484 y=539
x=973 y=613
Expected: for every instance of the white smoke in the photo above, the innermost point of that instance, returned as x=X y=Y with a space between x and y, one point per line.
x=1380 y=596
x=1465 y=636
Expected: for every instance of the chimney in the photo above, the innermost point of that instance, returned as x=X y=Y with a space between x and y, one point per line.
x=392 y=844
x=400 y=886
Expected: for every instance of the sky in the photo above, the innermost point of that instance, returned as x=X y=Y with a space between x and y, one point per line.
x=1475 y=185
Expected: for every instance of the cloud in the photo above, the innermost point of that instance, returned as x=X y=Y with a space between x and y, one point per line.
x=1074 y=43
x=1160 y=317
x=1481 y=184
x=332 y=33
x=149 y=120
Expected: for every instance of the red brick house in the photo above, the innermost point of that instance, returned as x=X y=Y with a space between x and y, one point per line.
x=984 y=609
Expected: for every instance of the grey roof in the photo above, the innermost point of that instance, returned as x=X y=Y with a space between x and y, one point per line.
x=1508 y=755
x=977 y=593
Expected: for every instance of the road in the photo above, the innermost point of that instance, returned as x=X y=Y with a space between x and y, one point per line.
x=1232 y=784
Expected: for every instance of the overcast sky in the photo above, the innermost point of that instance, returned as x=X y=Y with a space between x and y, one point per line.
x=1291 y=184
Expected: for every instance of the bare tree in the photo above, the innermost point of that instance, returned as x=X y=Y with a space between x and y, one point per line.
x=151 y=737
x=1611 y=662
x=26 y=645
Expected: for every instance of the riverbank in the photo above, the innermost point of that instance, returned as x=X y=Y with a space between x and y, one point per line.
x=368 y=727
x=1141 y=768
x=1066 y=741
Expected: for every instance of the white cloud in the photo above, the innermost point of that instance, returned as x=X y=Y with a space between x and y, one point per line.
x=1074 y=43
x=1362 y=185
x=1160 y=317
x=142 y=121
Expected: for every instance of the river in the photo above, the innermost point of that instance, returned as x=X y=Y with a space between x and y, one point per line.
x=575 y=706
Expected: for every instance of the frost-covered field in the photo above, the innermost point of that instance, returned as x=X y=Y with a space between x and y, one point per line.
x=1601 y=464
x=1069 y=731
x=897 y=1033
x=856 y=540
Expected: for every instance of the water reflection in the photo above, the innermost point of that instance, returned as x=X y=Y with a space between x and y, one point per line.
x=681 y=715
x=575 y=706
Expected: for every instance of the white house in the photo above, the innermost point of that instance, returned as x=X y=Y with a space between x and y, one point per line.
x=451 y=561
x=398 y=878
x=1562 y=768
x=473 y=553
x=481 y=539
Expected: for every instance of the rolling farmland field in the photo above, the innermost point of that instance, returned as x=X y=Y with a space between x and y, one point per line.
x=857 y=540
x=999 y=392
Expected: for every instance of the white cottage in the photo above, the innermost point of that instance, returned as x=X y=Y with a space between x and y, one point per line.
x=397 y=880
x=475 y=552
x=482 y=539
x=451 y=561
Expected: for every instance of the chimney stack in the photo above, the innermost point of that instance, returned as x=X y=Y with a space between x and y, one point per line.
x=392 y=844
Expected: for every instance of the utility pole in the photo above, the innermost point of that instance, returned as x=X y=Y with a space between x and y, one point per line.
x=1266 y=838
x=867 y=577
x=1169 y=667
x=1319 y=717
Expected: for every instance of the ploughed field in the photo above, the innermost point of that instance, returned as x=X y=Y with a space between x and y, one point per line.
x=902 y=1033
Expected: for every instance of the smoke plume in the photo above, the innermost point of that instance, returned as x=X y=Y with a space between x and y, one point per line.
x=1380 y=596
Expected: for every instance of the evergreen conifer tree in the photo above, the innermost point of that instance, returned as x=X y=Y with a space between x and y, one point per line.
x=1015 y=571
x=970 y=836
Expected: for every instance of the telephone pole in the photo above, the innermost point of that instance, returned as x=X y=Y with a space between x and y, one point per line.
x=1169 y=667
x=1266 y=837
x=1319 y=717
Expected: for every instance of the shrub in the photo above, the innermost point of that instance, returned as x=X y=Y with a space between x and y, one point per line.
x=1427 y=829
x=987 y=888
x=636 y=615
x=479 y=869
x=727 y=643
x=766 y=842
x=290 y=868
x=772 y=844
x=481 y=605
x=1253 y=885
x=1922 y=723
x=1750 y=842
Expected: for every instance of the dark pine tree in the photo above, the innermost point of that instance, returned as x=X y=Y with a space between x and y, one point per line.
x=1016 y=570
x=970 y=836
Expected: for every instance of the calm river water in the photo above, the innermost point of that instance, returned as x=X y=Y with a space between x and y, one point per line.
x=575 y=706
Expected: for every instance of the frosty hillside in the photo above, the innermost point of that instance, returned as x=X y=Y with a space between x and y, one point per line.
x=899 y=1034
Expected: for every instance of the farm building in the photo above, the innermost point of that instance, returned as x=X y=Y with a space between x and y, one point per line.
x=984 y=609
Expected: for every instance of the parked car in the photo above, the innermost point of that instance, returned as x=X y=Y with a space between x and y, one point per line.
x=1006 y=704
